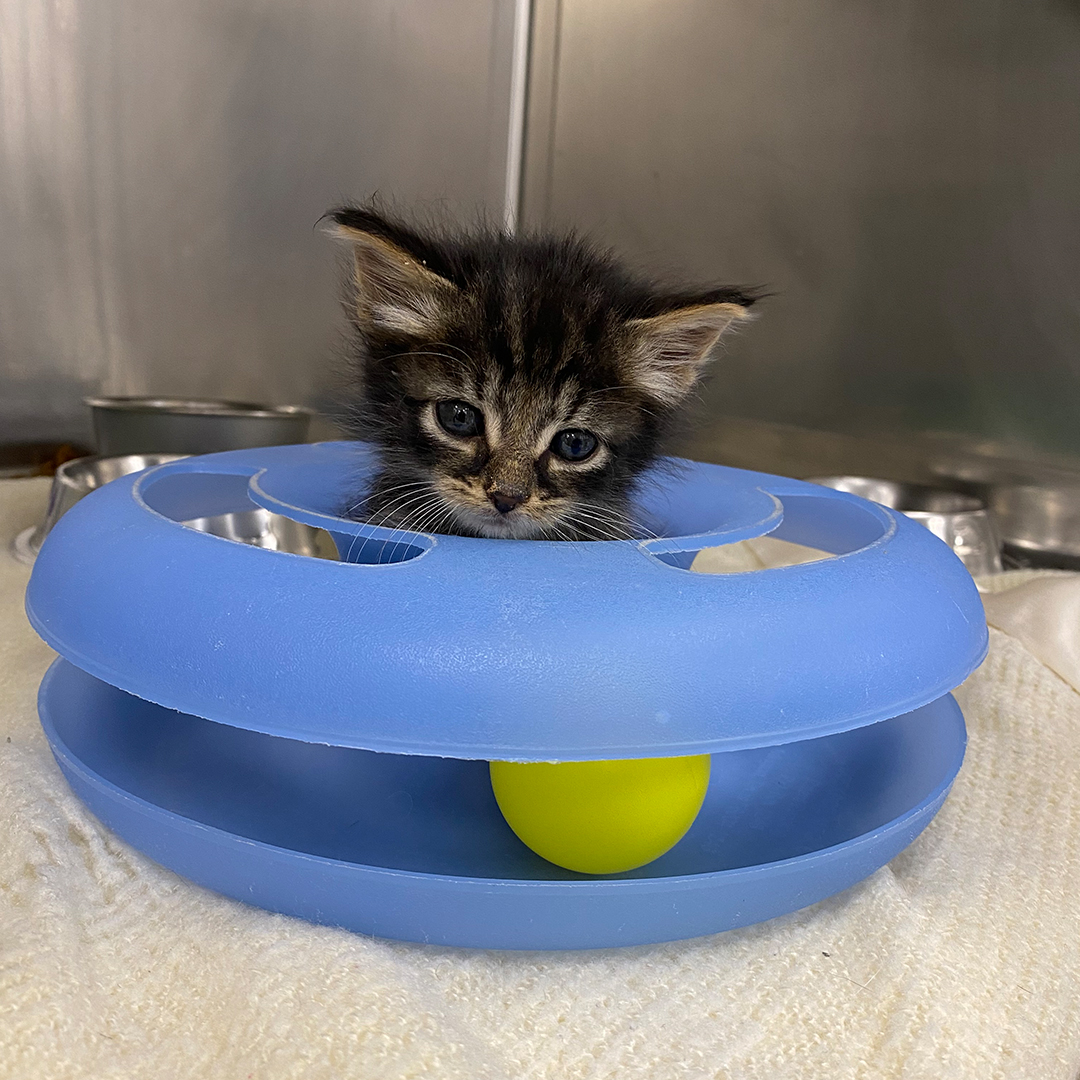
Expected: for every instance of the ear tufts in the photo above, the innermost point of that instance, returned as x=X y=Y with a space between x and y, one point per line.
x=396 y=291
x=669 y=352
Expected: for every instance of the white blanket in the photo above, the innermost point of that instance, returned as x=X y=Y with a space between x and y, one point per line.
x=959 y=959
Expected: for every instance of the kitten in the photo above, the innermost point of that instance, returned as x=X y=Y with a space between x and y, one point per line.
x=516 y=387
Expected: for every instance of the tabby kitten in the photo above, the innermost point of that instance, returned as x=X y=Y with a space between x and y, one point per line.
x=516 y=387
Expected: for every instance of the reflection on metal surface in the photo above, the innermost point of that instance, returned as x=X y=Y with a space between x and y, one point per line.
x=135 y=425
x=902 y=175
x=1039 y=524
x=961 y=521
x=261 y=528
x=517 y=95
x=162 y=166
x=937 y=459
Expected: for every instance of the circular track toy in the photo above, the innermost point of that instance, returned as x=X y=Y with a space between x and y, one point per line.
x=312 y=734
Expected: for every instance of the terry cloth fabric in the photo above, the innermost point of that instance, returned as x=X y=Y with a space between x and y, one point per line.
x=959 y=959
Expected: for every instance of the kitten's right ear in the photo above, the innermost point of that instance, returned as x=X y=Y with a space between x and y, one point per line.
x=396 y=293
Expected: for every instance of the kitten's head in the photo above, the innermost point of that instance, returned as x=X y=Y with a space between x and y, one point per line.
x=516 y=387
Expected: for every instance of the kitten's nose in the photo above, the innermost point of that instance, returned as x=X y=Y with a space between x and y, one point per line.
x=506 y=499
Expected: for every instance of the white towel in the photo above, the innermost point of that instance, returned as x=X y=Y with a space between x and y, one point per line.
x=959 y=959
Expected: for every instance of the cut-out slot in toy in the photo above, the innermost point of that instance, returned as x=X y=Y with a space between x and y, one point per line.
x=182 y=495
x=759 y=553
x=260 y=528
x=809 y=529
x=836 y=526
x=220 y=505
x=679 y=520
x=315 y=497
x=381 y=550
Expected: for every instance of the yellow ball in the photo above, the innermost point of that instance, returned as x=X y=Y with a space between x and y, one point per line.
x=601 y=817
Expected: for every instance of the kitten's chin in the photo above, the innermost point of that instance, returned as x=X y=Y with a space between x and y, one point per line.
x=510 y=527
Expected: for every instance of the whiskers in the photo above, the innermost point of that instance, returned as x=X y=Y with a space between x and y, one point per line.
x=411 y=507
x=597 y=521
x=423 y=506
x=379 y=493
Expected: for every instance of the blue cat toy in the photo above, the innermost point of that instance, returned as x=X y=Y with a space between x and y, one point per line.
x=312 y=735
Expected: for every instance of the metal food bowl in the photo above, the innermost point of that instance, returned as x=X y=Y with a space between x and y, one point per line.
x=1039 y=524
x=263 y=529
x=260 y=528
x=962 y=521
x=71 y=482
x=143 y=425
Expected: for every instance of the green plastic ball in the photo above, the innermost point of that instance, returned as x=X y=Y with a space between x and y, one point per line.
x=601 y=817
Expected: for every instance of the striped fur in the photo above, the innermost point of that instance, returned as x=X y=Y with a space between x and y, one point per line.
x=539 y=334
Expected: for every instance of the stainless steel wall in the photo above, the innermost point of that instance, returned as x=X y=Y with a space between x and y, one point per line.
x=905 y=175
x=162 y=165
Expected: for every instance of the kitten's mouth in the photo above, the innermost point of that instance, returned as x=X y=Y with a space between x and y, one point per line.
x=474 y=513
x=513 y=525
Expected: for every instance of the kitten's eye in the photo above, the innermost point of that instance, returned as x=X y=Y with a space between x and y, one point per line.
x=573 y=445
x=459 y=418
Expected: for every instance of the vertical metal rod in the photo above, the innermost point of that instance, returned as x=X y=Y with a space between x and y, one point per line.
x=519 y=85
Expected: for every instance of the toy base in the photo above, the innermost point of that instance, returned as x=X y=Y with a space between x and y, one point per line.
x=414 y=847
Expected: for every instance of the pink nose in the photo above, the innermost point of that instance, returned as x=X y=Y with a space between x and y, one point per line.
x=505 y=501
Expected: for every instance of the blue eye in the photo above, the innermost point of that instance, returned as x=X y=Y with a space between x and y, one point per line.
x=459 y=418
x=573 y=445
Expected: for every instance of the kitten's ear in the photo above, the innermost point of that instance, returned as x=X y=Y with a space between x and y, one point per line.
x=668 y=352
x=395 y=291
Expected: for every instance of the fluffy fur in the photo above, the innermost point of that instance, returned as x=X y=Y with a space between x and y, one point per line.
x=516 y=387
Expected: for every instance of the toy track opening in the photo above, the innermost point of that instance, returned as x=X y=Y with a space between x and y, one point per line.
x=732 y=527
x=219 y=504
x=813 y=528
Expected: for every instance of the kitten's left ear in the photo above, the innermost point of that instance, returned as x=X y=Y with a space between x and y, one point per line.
x=395 y=291
x=668 y=352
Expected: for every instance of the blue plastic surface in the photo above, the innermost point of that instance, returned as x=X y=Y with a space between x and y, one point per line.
x=414 y=847
x=505 y=649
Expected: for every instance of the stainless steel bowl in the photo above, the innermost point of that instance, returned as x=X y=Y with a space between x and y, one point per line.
x=261 y=528
x=137 y=425
x=71 y=482
x=962 y=521
x=258 y=527
x=1039 y=524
